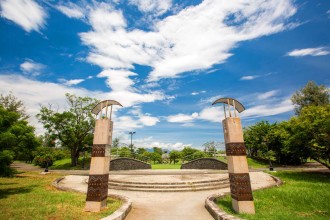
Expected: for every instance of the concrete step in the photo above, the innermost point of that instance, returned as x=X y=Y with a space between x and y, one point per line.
x=181 y=185
x=174 y=189
x=169 y=183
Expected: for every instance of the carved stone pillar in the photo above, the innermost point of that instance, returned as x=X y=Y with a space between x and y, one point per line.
x=99 y=168
x=240 y=185
x=239 y=178
x=97 y=191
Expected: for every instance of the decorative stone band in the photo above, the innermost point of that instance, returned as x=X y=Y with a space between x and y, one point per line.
x=240 y=186
x=235 y=149
x=97 y=187
x=98 y=150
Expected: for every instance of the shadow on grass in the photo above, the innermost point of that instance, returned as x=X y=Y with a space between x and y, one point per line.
x=4 y=193
x=6 y=184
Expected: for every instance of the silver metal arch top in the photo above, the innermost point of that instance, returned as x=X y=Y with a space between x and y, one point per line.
x=230 y=101
x=104 y=104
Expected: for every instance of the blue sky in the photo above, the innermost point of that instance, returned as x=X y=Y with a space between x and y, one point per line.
x=166 y=61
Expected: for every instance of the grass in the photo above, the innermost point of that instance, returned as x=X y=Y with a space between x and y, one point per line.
x=303 y=196
x=29 y=195
x=253 y=163
x=65 y=164
x=165 y=166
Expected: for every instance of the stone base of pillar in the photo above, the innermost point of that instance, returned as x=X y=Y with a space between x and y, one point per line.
x=243 y=206
x=92 y=206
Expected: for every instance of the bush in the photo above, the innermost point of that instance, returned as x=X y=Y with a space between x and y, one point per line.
x=43 y=160
x=6 y=158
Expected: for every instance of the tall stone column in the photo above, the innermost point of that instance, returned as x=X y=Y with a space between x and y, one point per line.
x=240 y=185
x=239 y=178
x=97 y=191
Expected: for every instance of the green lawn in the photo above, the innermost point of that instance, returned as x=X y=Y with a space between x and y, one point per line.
x=29 y=195
x=302 y=196
x=165 y=166
x=253 y=163
x=65 y=164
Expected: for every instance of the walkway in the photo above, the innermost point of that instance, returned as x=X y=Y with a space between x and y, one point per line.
x=169 y=205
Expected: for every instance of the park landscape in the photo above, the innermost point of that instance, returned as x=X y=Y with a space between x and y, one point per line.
x=164 y=110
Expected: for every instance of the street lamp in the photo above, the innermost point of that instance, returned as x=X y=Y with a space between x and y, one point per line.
x=131 y=133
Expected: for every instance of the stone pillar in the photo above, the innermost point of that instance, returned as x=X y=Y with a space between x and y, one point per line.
x=240 y=185
x=97 y=192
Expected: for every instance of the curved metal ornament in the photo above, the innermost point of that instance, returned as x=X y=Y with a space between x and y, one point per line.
x=104 y=104
x=230 y=101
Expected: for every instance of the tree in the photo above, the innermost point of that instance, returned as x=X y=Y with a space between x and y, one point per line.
x=257 y=139
x=187 y=153
x=156 y=157
x=311 y=94
x=313 y=130
x=174 y=156
x=158 y=150
x=210 y=148
x=17 y=140
x=73 y=127
x=13 y=104
x=115 y=143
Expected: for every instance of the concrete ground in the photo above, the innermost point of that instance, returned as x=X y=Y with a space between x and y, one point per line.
x=169 y=205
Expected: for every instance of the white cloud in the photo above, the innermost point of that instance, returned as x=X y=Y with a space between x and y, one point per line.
x=196 y=38
x=197 y=93
x=213 y=114
x=268 y=110
x=29 y=67
x=71 y=82
x=267 y=95
x=249 y=77
x=35 y=93
x=318 y=51
x=158 y=7
x=216 y=113
x=118 y=80
x=26 y=13
x=71 y=10
x=182 y=118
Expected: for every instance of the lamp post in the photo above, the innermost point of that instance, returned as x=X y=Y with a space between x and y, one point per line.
x=131 y=146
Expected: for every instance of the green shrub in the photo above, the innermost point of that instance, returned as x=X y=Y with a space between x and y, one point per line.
x=6 y=158
x=43 y=160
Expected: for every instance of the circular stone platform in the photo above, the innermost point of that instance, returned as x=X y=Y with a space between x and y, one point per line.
x=168 y=180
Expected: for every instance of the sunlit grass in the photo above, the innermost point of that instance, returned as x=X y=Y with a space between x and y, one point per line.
x=165 y=166
x=29 y=195
x=65 y=164
x=302 y=196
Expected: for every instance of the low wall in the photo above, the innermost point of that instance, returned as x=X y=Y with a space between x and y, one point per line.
x=205 y=163
x=128 y=164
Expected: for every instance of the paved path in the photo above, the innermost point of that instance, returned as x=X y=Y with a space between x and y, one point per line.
x=169 y=205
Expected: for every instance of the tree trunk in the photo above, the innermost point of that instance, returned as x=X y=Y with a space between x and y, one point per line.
x=73 y=160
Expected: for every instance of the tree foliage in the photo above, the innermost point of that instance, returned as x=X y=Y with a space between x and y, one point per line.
x=310 y=95
x=304 y=136
x=13 y=104
x=73 y=127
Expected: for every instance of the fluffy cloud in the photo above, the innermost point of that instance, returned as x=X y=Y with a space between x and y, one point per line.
x=259 y=109
x=71 y=82
x=71 y=10
x=318 y=51
x=158 y=7
x=26 y=13
x=182 y=118
x=195 y=38
x=35 y=93
x=29 y=67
